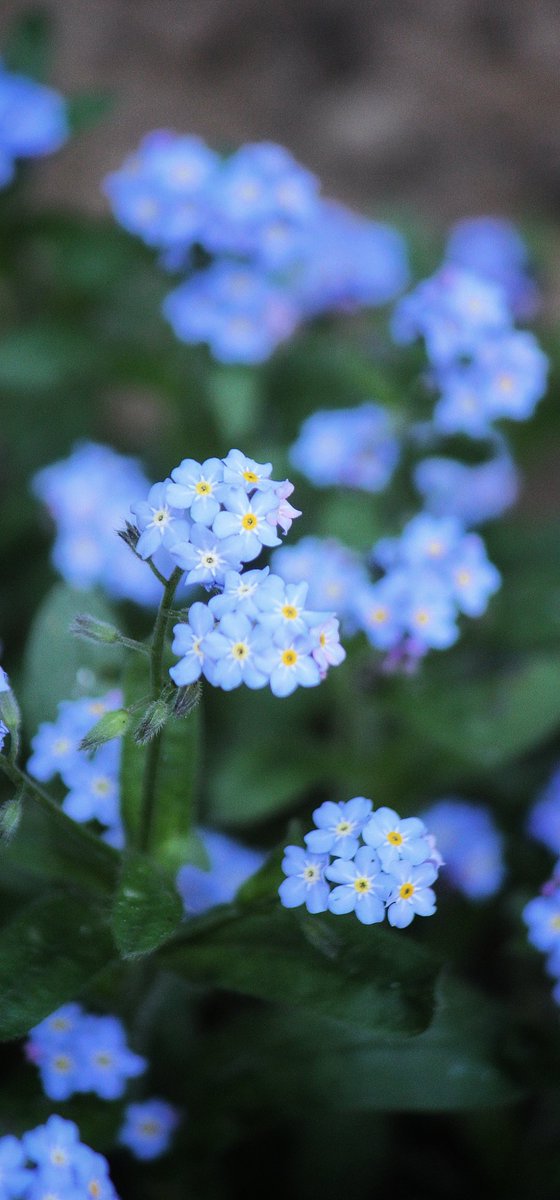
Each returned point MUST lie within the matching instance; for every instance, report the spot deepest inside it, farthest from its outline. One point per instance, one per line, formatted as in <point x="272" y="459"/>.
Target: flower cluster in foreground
<point x="51" y="1163"/>
<point x="379" y="863"/>
<point x="276" y="252"/>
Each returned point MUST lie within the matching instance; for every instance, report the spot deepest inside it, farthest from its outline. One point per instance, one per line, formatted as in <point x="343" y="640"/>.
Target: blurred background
<point x="447" y="107"/>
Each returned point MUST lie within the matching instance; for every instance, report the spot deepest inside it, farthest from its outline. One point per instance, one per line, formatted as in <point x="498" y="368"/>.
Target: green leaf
<point x="324" y="965"/>
<point x="48" y="955"/>
<point x="272" y="1061"/>
<point x="56" y="665"/>
<point x="492" y="721"/>
<point x="147" y="908"/>
<point x="254" y="782"/>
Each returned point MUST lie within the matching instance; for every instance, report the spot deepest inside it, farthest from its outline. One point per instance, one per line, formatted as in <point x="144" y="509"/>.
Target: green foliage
<point x="147" y="908"/>
<point x="363" y="977"/>
<point x="49" y="954"/>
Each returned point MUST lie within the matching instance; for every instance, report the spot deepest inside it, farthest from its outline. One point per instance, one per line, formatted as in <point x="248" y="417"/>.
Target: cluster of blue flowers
<point x="353" y="448"/>
<point x="379" y="863"/>
<point x="472" y="494"/>
<point x="435" y="571"/>
<point x="92" y="780"/>
<point x="471" y="846"/>
<point x="77" y="1051"/>
<point x="210" y="519"/>
<point x="88" y="496"/>
<point x="482" y="367"/>
<point x="33" y="121"/>
<point x="51" y="1163"/>
<point x="276" y="252"/>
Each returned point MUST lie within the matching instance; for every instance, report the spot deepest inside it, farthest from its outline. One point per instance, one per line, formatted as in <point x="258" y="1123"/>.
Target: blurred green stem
<point x="157" y="683"/>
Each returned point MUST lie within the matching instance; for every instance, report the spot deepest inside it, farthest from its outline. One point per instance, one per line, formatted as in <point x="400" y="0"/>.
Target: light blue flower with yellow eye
<point x="474" y="577"/>
<point x="240" y="471"/>
<point x="189" y="642"/>
<point x="239" y="593"/>
<point x="159" y="524"/>
<point x="243" y="519"/>
<point x="206" y="557"/>
<point x="430" y="614"/>
<point x="395" y="839"/>
<point x="411" y="894"/>
<point x="91" y="1173"/>
<point x="148" y="1128"/>
<point x="338" y="827"/>
<point x="305" y="883"/>
<point x="542" y="918"/>
<point x="287" y="660"/>
<point x="196" y="486"/>
<point x="282" y="605"/>
<point x="362" y="886"/>
<point x="231" y="647"/>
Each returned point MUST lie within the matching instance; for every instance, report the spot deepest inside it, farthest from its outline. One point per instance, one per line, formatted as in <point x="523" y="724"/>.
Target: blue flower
<point x="196" y="486"/>
<point x="327" y="649"/>
<point x="473" y="494"/>
<point x="14" y="1176"/>
<point x="470" y="844"/>
<point x="240" y="593"/>
<point x="189" y="641"/>
<point x="287" y="660"/>
<point x="231" y="864"/>
<point x="493" y="247"/>
<point x="395" y="839"/>
<point x="429" y="615"/>
<point x="474" y="578"/>
<point x="338" y="827"/>
<point x="452" y="311"/>
<point x="107" y="1061"/>
<point x="243" y="472"/>
<point x="348" y="262"/>
<point x="542" y="917"/>
<point x="305" y="882"/>
<point x="159" y="524"/>
<point x="79" y="1052"/>
<point x="243" y="520"/>
<point x="93" y="784"/>
<point x="544" y="818"/>
<point x="33" y="121"/>
<point x="231" y="646"/>
<point x="354" y="448"/>
<point x="282" y="605"/>
<point x="148" y="1128"/>
<point x="334" y="574"/>
<point x="380" y="612"/>
<point x="363" y="886"/>
<point x="411" y="894"/>
<point x="55" y="1148"/>
<point x="206" y="556"/>
<point x="92" y="1176"/>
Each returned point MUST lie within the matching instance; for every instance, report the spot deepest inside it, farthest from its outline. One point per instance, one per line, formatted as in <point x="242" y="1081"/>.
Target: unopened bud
<point x="155" y="717"/>
<point x="112" y="725"/>
<point x="9" y="711"/>
<point x="93" y="630"/>
<point x="10" y="816"/>
<point x="130" y="535"/>
<point x="186" y="699"/>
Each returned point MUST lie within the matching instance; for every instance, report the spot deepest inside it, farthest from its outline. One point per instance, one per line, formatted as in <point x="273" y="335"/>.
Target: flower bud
<point x="187" y="698"/>
<point x="93" y="630"/>
<point x="10" y="816"/>
<point x="155" y="717"/>
<point x="112" y="725"/>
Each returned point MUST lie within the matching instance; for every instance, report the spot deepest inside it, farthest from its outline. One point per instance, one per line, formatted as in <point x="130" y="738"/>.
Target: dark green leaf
<point x="254" y="782"/>
<point x="147" y="908"/>
<point x="325" y="965"/>
<point x="48" y="955"/>
<point x="56" y="665"/>
<point x="272" y="1061"/>
<point x="492" y="721"/>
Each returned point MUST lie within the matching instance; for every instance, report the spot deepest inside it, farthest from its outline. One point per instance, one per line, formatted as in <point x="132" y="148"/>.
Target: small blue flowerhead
<point x="363" y="886"/>
<point x="305" y="882"/>
<point x="148" y="1128"/>
<point x="338" y="827"/>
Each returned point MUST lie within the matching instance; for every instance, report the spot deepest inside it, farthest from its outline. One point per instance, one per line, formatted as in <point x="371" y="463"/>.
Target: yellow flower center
<point x="290" y="612"/>
<point x="240" y="650"/>
<point x="505" y="383"/>
<point x="395" y="838"/>
<point x="97" y="708"/>
<point x="322" y="639"/>
<point x="311" y="873"/>
<point x="362" y="885"/>
<point x="61" y="746"/>
<point x="62" y="1063"/>
<point x="60" y="1023"/>
<point x="289" y="658"/>
<point x="250" y="477"/>
<point x="203" y="487"/>
<point x="344" y="827"/>
<point x="249" y="521"/>
<point x="209" y="560"/>
<point x="150" y="1128"/>
<point x="161" y="517"/>
<point x="555" y="923"/>
<point x="104" y="1059"/>
<point x="94" y="1188"/>
<point x="463" y="578"/>
<point x="422" y="617"/>
<point x="378" y="615"/>
<point x="435" y="549"/>
<point x="406" y="890"/>
<point x="58" y="1156"/>
<point x="102" y="786"/>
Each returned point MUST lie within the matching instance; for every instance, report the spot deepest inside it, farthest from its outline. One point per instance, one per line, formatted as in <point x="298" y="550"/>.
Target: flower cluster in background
<point x="273" y="251"/>
<point x="88" y="497"/>
<point x="482" y="368"/>
<point x="92" y="780"/>
<point x="51" y="1163"/>
<point x="472" y="494"/>
<point x="33" y="121"/>
<point x="381" y="865"/>
<point x="353" y="448"/>
<point x="542" y="914"/>
<point x="148" y="1128"/>
<point x="211" y="519"/>
<point x="470" y="844"/>
<point x="77" y="1051"/>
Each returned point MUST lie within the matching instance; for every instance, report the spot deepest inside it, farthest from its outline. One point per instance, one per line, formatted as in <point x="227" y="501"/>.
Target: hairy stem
<point x="157" y="682"/>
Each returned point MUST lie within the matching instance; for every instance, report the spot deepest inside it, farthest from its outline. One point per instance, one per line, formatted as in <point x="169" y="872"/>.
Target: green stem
<point x="157" y="682"/>
<point x="89" y="849"/>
